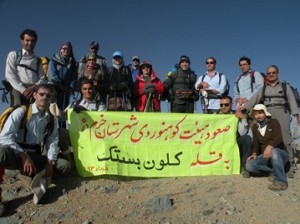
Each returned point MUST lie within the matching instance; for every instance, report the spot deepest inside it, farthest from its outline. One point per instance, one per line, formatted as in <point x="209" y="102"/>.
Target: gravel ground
<point x="112" y="199"/>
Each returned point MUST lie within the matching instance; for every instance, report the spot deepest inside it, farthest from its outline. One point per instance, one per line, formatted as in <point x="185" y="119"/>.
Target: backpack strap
<point x="19" y="54"/>
<point x="252" y="77"/>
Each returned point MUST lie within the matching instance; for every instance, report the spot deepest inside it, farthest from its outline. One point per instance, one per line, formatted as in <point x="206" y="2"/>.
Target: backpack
<point x="284" y="84"/>
<point x="252" y="77"/>
<point x="226" y="92"/>
<point x="19" y="58"/>
<point x="28" y="111"/>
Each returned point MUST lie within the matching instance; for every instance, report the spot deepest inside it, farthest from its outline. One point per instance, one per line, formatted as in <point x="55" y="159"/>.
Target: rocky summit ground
<point x="112" y="199"/>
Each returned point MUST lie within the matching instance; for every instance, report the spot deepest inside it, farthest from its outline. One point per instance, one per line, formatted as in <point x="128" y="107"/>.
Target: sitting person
<point x="244" y="140"/>
<point x="21" y="140"/>
<point x="269" y="154"/>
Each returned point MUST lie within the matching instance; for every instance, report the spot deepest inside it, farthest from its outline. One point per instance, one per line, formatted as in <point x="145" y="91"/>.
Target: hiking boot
<point x="2" y="206"/>
<point x="290" y="174"/>
<point x="245" y="173"/>
<point x="271" y="177"/>
<point x="26" y="180"/>
<point x="276" y="186"/>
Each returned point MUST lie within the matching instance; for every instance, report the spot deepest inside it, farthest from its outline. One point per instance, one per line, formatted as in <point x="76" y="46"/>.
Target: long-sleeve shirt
<point x="272" y="136"/>
<point x="21" y="77"/>
<point x="244" y="85"/>
<point x="12" y="133"/>
<point x="270" y="100"/>
<point x="214" y="83"/>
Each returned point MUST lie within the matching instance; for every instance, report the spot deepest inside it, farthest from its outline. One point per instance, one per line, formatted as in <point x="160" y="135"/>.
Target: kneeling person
<point x="20" y="142"/>
<point x="269" y="154"/>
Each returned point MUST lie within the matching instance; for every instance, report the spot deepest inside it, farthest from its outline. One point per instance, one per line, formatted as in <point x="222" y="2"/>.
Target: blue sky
<point x="159" y="31"/>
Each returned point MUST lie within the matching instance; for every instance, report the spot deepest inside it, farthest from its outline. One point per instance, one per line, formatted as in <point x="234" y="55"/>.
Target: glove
<point x="149" y="85"/>
<point x="79" y="108"/>
<point x="113" y="87"/>
<point x="150" y="89"/>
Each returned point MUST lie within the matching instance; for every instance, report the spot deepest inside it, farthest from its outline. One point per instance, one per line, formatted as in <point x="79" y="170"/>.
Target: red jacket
<point x="141" y="98"/>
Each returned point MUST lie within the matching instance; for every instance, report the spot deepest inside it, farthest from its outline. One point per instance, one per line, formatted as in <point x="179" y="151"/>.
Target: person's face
<point x="91" y="62"/>
<point x="225" y="106"/>
<point x="272" y="75"/>
<point x="87" y="91"/>
<point x="42" y="98"/>
<point x="94" y="49"/>
<point x="259" y="115"/>
<point x="146" y="70"/>
<point x="135" y="62"/>
<point x="118" y="60"/>
<point x="210" y="64"/>
<point x="244" y="66"/>
<point x="65" y="50"/>
<point x="184" y="65"/>
<point x="28" y="43"/>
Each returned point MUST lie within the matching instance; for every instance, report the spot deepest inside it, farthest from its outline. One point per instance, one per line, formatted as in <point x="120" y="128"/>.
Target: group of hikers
<point x="38" y="140"/>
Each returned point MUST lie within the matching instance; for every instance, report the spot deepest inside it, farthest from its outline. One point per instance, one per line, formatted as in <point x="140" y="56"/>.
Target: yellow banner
<point x="154" y="144"/>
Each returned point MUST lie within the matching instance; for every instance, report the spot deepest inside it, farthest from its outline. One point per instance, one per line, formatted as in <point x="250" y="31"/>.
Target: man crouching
<point x="23" y="136"/>
<point x="269" y="154"/>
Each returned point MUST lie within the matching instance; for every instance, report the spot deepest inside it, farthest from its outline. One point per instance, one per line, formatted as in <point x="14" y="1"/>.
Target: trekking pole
<point x="148" y="101"/>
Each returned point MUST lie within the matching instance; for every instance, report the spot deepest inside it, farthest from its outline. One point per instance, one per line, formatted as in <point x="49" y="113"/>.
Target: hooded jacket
<point x="141" y="98"/>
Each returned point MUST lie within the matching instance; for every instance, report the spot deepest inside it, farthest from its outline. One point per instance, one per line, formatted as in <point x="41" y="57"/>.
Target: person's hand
<point x="205" y="85"/>
<point x="79" y="108"/>
<point x="148" y="88"/>
<point x="253" y="156"/>
<point x="28" y="165"/>
<point x="268" y="152"/>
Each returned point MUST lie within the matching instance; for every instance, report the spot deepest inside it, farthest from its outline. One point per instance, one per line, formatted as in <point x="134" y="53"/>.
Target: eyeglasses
<point x="45" y="94"/>
<point x="91" y="59"/>
<point x="271" y="73"/>
<point x="210" y="63"/>
<point x="224" y="104"/>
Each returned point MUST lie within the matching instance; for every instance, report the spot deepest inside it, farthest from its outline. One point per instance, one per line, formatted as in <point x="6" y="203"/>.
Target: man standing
<point x="211" y="86"/>
<point x="247" y="83"/>
<point x="244" y="139"/>
<point x="135" y="67"/>
<point x="181" y="83"/>
<point x="280" y="101"/>
<point x="21" y="142"/>
<point x="23" y="69"/>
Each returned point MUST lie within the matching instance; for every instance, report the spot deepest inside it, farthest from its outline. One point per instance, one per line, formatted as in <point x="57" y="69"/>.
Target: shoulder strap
<point x="203" y="76"/>
<point x="19" y="57"/>
<point x="25" y="119"/>
<point x="284" y="90"/>
<point x="220" y="77"/>
<point x="252" y="77"/>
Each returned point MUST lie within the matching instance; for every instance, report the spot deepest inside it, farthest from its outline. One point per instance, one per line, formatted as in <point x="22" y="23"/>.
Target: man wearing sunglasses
<point x="21" y="142"/>
<point x="211" y="86"/>
<point x="244" y="134"/>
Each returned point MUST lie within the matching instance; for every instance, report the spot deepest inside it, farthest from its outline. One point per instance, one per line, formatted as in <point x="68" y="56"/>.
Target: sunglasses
<point x="224" y="104"/>
<point x="91" y="59"/>
<point x="65" y="48"/>
<point x="45" y="94"/>
<point x="210" y="63"/>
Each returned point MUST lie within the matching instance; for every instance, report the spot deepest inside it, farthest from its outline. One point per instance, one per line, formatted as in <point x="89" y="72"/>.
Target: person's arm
<point x="11" y="128"/>
<point x="11" y="72"/>
<point x="52" y="142"/>
<point x="259" y="82"/>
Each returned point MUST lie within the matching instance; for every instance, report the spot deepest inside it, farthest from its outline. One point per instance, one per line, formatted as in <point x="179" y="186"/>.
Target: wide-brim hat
<point x="39" y="186"/>
<point x="259" y="107"/>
